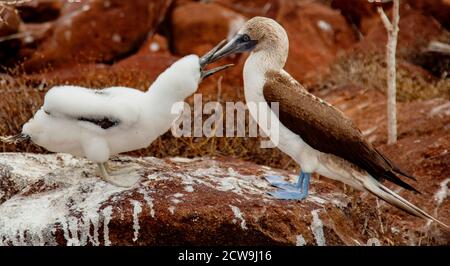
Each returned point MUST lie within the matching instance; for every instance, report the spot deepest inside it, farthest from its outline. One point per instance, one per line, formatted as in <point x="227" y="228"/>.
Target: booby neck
<point x="258" y="64"/>
<point x="177" y="82"/>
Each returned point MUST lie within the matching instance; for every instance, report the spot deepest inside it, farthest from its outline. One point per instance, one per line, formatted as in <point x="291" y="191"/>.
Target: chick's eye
<point x="246" y="38"/>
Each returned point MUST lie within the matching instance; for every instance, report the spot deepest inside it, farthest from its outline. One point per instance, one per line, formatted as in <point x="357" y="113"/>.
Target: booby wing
<point x="325" y="128"/>
<point x="101" y="108"/>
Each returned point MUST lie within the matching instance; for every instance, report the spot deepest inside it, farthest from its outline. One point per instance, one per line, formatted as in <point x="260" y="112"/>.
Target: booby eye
<point x="246" y="38"/>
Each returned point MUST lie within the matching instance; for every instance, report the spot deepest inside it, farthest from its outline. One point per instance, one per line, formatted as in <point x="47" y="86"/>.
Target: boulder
<point x="9" y="26"/>
<point x="137" y="71"/>
<point x="197" y="27"/>
<point x="356" y="11"/>
<point x="412" y="24"/>
<point x="266" y="8"/>
<point x="84" y="32"/>
<point x="57" y="199"/>
<point x="38" y="11"/>
<point x="360" y="12"/>
<point x="316" y="35"/>
<point x="316" y="32"/>
<point x="420" y="74"/>
<point x="440" y="9"/>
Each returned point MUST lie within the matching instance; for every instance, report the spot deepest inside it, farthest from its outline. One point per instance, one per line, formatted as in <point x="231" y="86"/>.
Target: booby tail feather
<point x="376" y="188"/>
<point x="14" y="139"/>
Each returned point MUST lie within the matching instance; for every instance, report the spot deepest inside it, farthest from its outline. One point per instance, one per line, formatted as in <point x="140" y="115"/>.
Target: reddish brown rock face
<point x="198" y="27"/>
<point x="176" y="201"/>
<point x="316" y="35"/>
<point x="38" y="11"/>
<point x="97" y="31"/>
<point x="266" y="8"/>
<point x="9" y="26"/>
<point x="440" y="9"/>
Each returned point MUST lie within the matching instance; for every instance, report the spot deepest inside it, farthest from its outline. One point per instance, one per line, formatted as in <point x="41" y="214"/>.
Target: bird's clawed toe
<point x="115" y="179"/>
<point x="278" y="181"/>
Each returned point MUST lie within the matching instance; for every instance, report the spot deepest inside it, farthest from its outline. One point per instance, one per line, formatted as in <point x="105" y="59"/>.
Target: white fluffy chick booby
<point x="97" y="124"/>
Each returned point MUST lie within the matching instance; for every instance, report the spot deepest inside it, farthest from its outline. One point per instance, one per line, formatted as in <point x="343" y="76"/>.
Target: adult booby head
<point x="259" y="34"/>
<point x="316" y="135"/>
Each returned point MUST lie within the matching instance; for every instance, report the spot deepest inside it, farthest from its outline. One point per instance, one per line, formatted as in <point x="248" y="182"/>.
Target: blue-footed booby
<point x="97" y="124"/>
<point x="319" y="137"/>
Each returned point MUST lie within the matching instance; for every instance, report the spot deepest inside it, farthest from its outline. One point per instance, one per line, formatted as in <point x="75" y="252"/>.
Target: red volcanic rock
<point x="9" y="25"/>
<point x="9" y="21"/>
<point x="137" y="71"/>
<point x="197" y="27"/>
<point x="59" y="200"/>
<point x="316" y="32"/>
<point x="440" y="9"/>
<point x="316" y="35"/>
<point x="97" y="31"/>
<point x="357" y="11"/>
<point x="37" y="11"/>
<point x="266" y="8"/>
<point x="140" y="70"/>
<point x="155" y="44"/>
<point x="416" y="32"/>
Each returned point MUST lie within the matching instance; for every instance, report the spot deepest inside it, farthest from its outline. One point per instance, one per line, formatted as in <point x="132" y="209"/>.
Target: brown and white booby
<point x="315" y="134"/>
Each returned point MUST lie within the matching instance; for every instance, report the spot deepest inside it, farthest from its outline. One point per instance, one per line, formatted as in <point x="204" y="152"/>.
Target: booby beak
<point x="206" y="59"/>
<point x="239" y="44"/>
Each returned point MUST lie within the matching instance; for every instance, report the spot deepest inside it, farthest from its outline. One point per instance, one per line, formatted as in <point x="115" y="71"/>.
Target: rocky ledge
<point x="57" y="199"/>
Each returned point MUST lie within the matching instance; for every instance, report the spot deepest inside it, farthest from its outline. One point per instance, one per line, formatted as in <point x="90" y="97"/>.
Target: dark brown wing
<point x="325" y="128"/>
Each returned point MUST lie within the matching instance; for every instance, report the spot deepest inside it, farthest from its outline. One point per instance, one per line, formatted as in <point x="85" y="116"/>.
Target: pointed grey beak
<point x="207" y="73"/>
<point x="239" y="44"/>
<point x="206" y="59"/>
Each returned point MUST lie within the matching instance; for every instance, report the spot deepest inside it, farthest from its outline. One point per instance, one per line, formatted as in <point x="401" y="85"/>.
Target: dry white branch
<point x="392" y="30"/>
<point x="13" y="2"/>
<point x="439" y="47"/>
<point x="386" y="22"/>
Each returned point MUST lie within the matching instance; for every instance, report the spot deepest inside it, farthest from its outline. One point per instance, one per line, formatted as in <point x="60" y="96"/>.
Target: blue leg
<point x="278" y="181"/>
<point x="299" y="194"/>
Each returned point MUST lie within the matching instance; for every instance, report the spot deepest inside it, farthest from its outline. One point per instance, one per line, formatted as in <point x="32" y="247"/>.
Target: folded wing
<point x="325" y="128"/>
<point x="104" y="109"/>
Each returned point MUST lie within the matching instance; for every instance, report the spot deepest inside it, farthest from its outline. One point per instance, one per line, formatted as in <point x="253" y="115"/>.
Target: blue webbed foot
<point x="278" y="181"/>
<point x="288" y="190"/>
<point x="288" y="195"/>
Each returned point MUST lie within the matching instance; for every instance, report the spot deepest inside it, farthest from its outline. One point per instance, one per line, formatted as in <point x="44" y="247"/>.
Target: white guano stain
<point x="239" y="216"/>
<point x="300" y="241"/>
<point x="189" y="189"/>
<point x="154" y="47"/>
<point x="148" y="200"/>
<point x="77" y="202"/>
<point x="325" y="26"/>
<point x="373" y="242"/>
<point x="107" y="212"/>
<point x="136" y="211"/>
<point x="442" y="193"/>
<point x="317" y="228"/>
